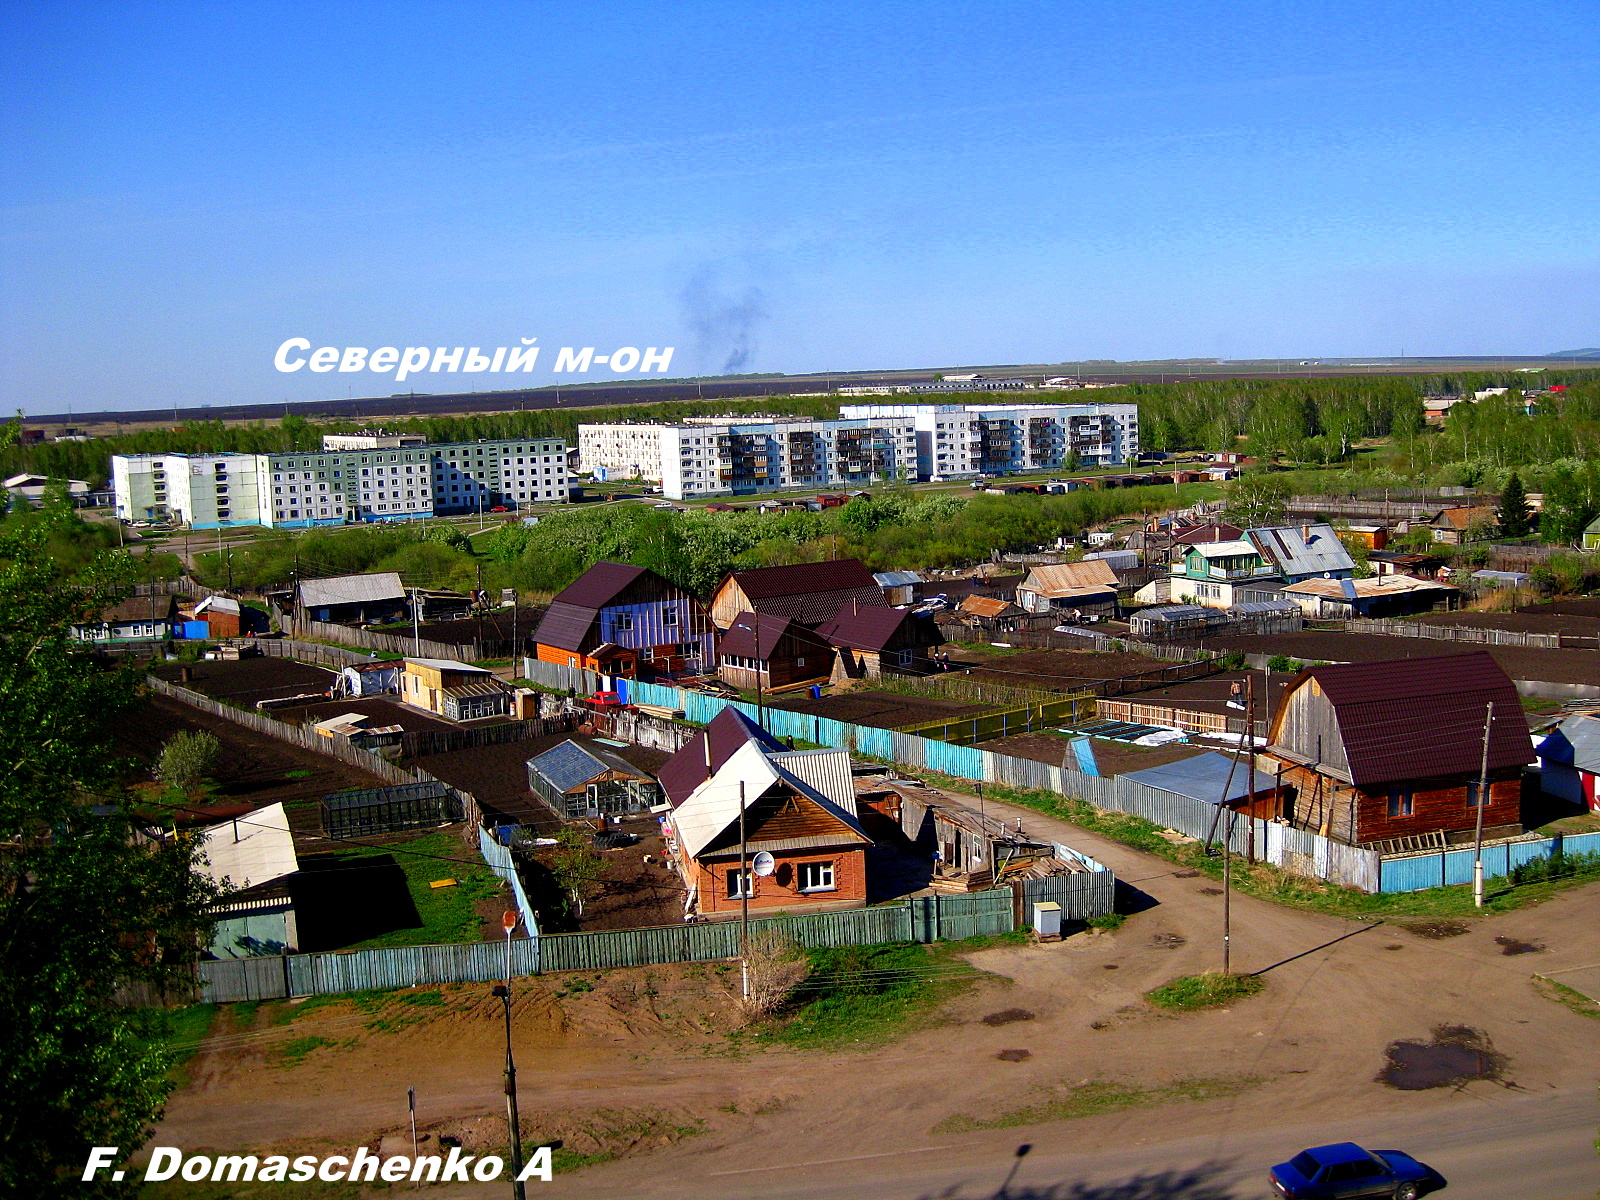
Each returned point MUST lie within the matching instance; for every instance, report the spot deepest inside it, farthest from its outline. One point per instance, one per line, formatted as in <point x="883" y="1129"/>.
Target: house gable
<point x="1307" y="727"/>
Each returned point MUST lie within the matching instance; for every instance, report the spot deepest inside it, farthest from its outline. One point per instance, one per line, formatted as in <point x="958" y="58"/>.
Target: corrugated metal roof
<point x="890" y="579"/>
<point x="448" y="664"/>
<point x="1070" y="578"/>
<point x="753" y="635"/>
<point x="713" y="807"/>
<point x="865" y="628"/>
<point x="217" y="604"/>
<point x="729" y="730"/>
<point x="988" y="606"/>
<point x="599" y="585"/>
<point x="566" y="626"/>
<point x="800" y="579"/>
<point x="247" y="852"/>
<point x="1204" y="777"/>
<point x="826" y="770"/>
<point x="572" y="765"/>
<point x="351" y="589"/>
<point x="1576" y="742"/>
<point x="1419" y="718"/>
<point x="1315" y="551"/>
<point x="1234" y="549"/>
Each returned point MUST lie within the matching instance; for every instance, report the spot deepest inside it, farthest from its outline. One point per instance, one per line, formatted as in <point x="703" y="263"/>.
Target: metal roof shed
<point x="577" y="781"/>
<point x="1206" y="777"/>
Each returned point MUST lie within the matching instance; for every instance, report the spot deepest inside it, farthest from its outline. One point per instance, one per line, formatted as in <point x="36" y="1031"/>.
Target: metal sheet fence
<point x="503" y="864"/>
<point x="562" y="678"/>
<point x="1413" y="872"/>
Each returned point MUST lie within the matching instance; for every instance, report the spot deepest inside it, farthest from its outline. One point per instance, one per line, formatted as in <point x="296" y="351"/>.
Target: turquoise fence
<point x="1417" y="871"/>
<point x="504" y="865"/>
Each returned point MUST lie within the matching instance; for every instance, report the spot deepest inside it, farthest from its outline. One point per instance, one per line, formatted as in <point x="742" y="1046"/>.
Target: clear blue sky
<point x="854" y="185"/>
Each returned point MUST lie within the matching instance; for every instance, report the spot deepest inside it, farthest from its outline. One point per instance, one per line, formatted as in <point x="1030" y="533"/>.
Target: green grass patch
<point x="1211" y="989"/>
<point x="1091" y="1099"/>
<point x="447" y="914"/>
<point x="1110" y="921"/>
<point x="613" y="1133"/>
<point x="294" y="1052"/>
<point x="1573" y="999"/>
<point x="182" y="1030"/>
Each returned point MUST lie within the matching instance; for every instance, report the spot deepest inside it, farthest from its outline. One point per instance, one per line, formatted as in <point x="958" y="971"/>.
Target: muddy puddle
<point x="1007" y="1015"/>
<point x="1434" y="930"/>
<point x="1511" y="945"/>
<point x="1455" y="1055"/>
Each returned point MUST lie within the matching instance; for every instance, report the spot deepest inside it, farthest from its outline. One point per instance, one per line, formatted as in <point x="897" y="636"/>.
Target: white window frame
<point x="821" y="872"/>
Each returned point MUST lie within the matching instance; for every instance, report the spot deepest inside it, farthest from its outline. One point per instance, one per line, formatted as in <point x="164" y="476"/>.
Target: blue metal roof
<point x="1202" y="778"/>
<point x="571" y="765"/>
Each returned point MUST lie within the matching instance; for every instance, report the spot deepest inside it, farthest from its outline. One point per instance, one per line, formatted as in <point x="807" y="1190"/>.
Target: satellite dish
<point x="764" y="864"/>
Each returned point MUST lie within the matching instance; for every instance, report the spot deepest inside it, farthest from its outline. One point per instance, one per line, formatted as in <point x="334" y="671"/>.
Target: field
<point x="252" y="768"/>
<point x="1049" y="670"/>
<point x="494" y="626"/>
<point x="1570" y="618"/>
<point x="882" y="710"/>
<point x="1550" y="666"/>
<point x="244" y="682"/>
<point x="387" y="710"/>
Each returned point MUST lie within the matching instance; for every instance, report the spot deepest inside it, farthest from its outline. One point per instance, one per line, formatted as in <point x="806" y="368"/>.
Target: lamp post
<point x="503" y="991"/>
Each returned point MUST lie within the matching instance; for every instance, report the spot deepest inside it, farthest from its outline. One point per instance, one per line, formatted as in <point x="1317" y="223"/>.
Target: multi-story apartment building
<point x="708" y="458"/>
<point x="956" y="440"/>
<point x="389" y="478"/>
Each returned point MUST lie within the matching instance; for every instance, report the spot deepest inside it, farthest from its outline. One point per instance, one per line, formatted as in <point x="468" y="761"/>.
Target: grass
<point x="1570" y="997"/>
<point x="1096" y="1097"/>
<point x="448" y="914"/>
<point x="1111" y="921"/>
<point x="182" y="1030"/>
<point x="615" y="1132"/>
<point x="294" y="1052"/>
<point x="1211" y="989"/>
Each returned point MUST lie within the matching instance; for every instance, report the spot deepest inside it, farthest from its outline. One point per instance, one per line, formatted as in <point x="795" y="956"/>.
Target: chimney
<point x="1305" y="533"/>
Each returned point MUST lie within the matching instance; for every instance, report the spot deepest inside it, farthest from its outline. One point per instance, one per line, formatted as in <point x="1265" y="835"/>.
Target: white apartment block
<point x="390" y="479"/>
<point x="963" y="440"/>
<point x="709" y="458"/>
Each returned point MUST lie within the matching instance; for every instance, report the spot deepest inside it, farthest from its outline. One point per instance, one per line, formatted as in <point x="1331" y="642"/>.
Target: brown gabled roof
<point x="863" y="628"/>
<point x="988" y="606"/>
<point x="1420" y="718"/>
<point x="571" y="615"/>
<point x="1071" y="579"/>
<point x="1217" y="532"/>
<point x="799" y="579"/>
<point x="753" y="635"/>
<point x="141" y="608"/>
<point x="729" y="730"/>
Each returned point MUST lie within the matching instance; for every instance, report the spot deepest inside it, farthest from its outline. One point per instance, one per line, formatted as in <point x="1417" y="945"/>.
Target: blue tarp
<point x="1202" y="778"/>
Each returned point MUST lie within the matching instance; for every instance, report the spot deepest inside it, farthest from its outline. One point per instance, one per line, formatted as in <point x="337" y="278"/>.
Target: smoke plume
<point x="723" y="322"/>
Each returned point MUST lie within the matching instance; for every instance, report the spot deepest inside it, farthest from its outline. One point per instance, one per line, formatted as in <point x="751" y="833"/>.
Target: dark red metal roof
<point x="571" y="616"/>
<point x="1421" y="718"/>
<point x="864" y="628"/>
<point x="800" y="579"/>
<point x="729" y="730"/>
<point x="753" y="635"/>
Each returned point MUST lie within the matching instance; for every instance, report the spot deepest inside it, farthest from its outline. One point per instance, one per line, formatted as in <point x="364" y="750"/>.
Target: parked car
<point x="499" y="508"/>
<point x="1345" y="1169"/>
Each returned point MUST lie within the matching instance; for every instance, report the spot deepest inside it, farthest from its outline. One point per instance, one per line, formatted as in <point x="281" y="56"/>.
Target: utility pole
<point x="1483" y="803"/>
<point x="416" y="624"/>
<point x="503" y="991"/>
<point x="1227" y="833"/>
<point x="744" y="899"/>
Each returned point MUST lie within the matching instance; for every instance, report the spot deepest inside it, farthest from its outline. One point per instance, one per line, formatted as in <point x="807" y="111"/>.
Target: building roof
<point x="478" y="687"/>
<point x="571" y="615"/>
<point x="863" y="628"/>
<point x="826" y="770"/>
<point x="713" y="807"/>
<point x="253" y="849"/>
<point x="988" y="606"/>
<point x="1418" y="718"/>
<point x="140" y="608"/>
<point x="1233" y="549"/>
<point x="809" y="592"/>
<point x="447" y="664"/>
<point x="1575" y="742"/>
<point x="889" y="579"/>
<point x="351" y="589"/>
<point x="753" y="635"/>
<point x="1366" y="589"/>
<point x="218" y="604"/>
<point x="1463" y="516"/>
<point x="1070" y="579"/>
<point x="1204" y="778"/>
<point x="728" y="731"/>
<point x="1300" y="550"/>
<point x="572" y="765"/>
<point x="1215" y="532"/>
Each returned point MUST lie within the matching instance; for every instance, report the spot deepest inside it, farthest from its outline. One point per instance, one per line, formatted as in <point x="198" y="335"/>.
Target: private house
<point x="1377" y="596"/>
<point x="1214" y="573"/>
<point x="1418" y="566"/>
<point x="990" y="614"/>
<point x="1569" y="760"/>
<point x="628" y="621"/>
<point x="808" y="593"/>
<point x="817" y="847"/>
<point x="374" y="599"/>
<point x="1389" y="752"/>
<point x="1299" y="552"/>
<point x="766" y="653"/>
<point x="900" y="587"/>
<point x="1590" y="538"/>
<point x="578" y="782"/>
<point x="871" y="641"/>
<point x="1373" y="537"/>
<point x="136" y="619"/>
<point x="456" y="691"/>
<point x="32" y="489"/>
<point x="1455" y="526"/>
<point x="706" y="751"/>
<point x="1087" y="588"/>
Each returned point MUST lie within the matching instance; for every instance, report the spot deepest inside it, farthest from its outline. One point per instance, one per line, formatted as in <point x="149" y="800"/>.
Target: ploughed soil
<point x="1113" y="758"/>
<point x="883" y="710"/>
<point x="1578" y="619"/>
<point x="1550" y="666"/>
<point x="497" y="776"/>
<point x="632" y="892"/>
<point x="252" y="768"/>
<point x="244" y="682"/>
<point x="1211" y="693"/>
<point x="385" y="710"/>
<point x="496" y="625"/>
<point x="1052" y="670"/>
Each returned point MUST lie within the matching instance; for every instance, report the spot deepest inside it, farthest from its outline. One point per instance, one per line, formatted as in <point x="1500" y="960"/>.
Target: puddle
<point x="1110" y="966"/>
<point x="1457" y="1055"/>
<point x="1211" y="891"/>
<point x="1007" y="1015"/>
<point x="1394" y="946"/>
<point x="1184" y="874"/>
<point x="1014" y="1055"/>
<point x="1435" y="930"/>
<point x="1511" y="945"/>
<point x="1099" y="1024"/>
<point x="1168" y="941"/>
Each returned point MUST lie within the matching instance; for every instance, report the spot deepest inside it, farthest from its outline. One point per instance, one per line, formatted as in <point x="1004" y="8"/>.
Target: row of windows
<point x="809" y="877"/>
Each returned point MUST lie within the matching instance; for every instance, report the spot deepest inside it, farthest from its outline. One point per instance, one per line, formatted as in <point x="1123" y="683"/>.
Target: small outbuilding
<point x="761" y="652"/>
<point x="576" y="782"/>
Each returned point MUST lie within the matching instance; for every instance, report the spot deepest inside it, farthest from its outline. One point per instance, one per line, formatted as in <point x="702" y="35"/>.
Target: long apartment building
<point x="707" y="457"/>
<point x="352" y="478"/>
<point x="962" y="440"/>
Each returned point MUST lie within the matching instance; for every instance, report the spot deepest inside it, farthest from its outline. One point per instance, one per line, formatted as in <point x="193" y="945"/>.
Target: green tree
<point x="186" y="757"/>
<point x="1256" y="499"/>
<point x="86" y="906"/>
<point x="576" y="867"/>
<point x="1513" y="516"/>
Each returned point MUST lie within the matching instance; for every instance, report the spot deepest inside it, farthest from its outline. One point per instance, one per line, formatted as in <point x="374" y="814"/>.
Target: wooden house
<point x="624" y="620"/>
<point x="871" y="641"/>
<point x="576" y="781"/>
<point x="352" y="599"/>
<point x="1088" y="588"/>
<point x="705" y="752"/>
<point x="816" y="842"/>
<point x="767" y="653"/>
<point x="1390" y="752"/>
<point x="454" y="690"/>
<point x="1374" y="597"/>
<point x="808" y="593"/>
<point x="1455" y="526"/>
<point x="136" y="619"/>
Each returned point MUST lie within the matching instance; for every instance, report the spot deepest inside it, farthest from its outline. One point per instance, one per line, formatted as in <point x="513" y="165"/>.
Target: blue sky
<point x="838" y="187"/>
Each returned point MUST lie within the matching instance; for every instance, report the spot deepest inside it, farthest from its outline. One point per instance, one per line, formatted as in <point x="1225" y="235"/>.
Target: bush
<point x="1283" y="664"/>
<point x="186" y="758"/>
<point x="774" y="967"/>
<point x="1207" y="990"/>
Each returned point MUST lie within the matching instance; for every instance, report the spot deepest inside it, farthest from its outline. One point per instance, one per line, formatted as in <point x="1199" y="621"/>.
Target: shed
<point x="221" y="615"/>
<point x="1089" y="587"/>
<point x="577" y="781"/>
<point x="1117" y="560"/>
<point x="352" y="599"/>
<point x="1503" y="578"/>
<point x="1569" y="760"/>
<point x="1211" y="778"/>
<point x="900" y="587"/>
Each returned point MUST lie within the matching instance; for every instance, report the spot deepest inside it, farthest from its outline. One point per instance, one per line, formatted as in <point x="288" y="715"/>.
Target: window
<point x="816" y="877"/>
<point x="624" y="622"/>
<point x="1400" y="802"/>
<point x="735" y="879"/>
<point x="669" y="617"/>
<point x="1473" y="789"/>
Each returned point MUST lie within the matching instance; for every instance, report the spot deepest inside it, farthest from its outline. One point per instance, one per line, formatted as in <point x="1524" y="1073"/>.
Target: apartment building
<point x="962" y="440"/>
<point x="389" y="478"/>
<point x="707" y="458"/>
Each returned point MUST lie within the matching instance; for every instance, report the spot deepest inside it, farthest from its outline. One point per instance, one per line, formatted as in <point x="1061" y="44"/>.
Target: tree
<point x="1513" y="516"/>
<point x="1255" y="500"/>
<point x="576" y="867"/>
<point x="186" y="757"/>
<point x="87" y="907"/>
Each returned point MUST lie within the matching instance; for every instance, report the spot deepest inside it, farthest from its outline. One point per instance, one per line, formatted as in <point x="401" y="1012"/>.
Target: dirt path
<point x="1305" y="1053"/>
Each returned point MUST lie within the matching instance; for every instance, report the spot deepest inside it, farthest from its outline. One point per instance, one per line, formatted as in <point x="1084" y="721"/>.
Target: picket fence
<point x="1459" y="633"/>
<point x="285" y="976"/>
<point x="401" y="643"/>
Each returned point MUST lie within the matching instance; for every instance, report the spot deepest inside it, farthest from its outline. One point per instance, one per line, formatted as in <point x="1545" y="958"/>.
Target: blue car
<point x="1345" y="1169"/>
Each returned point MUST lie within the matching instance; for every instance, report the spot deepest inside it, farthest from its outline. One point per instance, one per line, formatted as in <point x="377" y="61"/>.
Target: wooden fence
<point x="1090" y="639"/>
<point x="323" y="656"/>
<point x="1192" y="720"/>
<point x="1460" y="633"/>
<point x="969" y="731"/>
<point x="397" y="643"/>
<point x="422" y="742"/>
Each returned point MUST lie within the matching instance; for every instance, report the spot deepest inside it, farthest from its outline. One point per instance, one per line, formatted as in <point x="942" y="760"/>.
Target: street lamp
<point x="509" y="922"/>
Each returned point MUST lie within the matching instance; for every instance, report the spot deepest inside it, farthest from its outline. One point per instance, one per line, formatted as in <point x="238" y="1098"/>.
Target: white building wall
<point x="1021" y="437"/>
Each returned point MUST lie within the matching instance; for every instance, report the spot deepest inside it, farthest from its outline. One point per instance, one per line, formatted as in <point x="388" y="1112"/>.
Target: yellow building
<point x="457" y="691"/>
